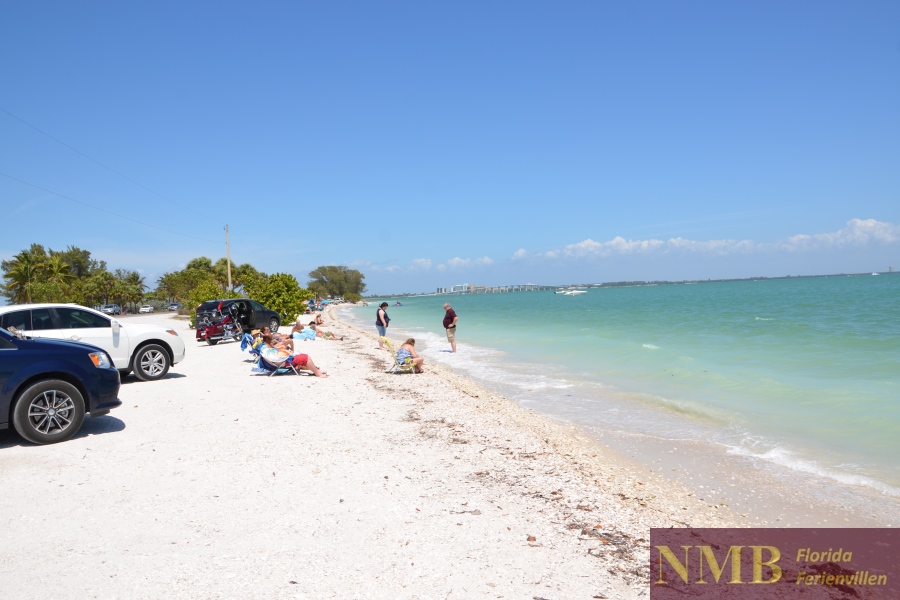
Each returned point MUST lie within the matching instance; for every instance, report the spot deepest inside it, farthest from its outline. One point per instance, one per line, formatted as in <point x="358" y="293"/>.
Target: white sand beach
<point x="217" y="482"/>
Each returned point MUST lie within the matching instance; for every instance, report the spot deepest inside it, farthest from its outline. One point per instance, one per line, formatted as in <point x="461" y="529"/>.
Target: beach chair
<point x="252" y="345"/>
<point x="246" y="341"/>
<point x="406" y="366"/>
<point x="274" y="363"/>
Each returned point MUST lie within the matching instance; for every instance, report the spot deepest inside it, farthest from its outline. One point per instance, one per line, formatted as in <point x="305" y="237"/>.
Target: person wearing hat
<point x="450" y="320"/>
<point x="381" y="323"/>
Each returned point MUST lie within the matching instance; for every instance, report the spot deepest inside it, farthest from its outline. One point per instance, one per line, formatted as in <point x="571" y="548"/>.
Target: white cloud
<point x="421" y="263"/>
<point x="364" y="264"/>
<point x="858" y="232"/>
<point x="392" y="268"/>
<point x="520" y="253"/>
<point x="457" y="262"/>
<point x="617" y="245"/>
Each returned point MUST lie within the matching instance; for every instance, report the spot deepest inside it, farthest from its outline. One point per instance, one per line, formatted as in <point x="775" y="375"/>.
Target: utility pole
<point x="228" y="258"/>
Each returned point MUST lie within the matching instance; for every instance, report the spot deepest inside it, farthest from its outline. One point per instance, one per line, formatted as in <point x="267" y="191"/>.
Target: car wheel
<point x="49" y="411"/>
<point x="273" y="324"/>
<point x="151" y="363"/>
<point x="212" y="342"/>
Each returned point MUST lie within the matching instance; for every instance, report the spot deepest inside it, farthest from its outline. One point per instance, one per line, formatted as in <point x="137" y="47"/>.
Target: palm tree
<point x="58" y="270"/>
<point x="136" y="279"/>
<point x="22" y="274"/>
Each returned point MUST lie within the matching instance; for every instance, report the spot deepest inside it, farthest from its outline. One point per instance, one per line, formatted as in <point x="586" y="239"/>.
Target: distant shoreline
<point x="636" y="283"/>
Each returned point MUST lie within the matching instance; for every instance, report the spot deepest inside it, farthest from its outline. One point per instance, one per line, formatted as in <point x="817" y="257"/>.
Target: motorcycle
<point x="225" y="327"/>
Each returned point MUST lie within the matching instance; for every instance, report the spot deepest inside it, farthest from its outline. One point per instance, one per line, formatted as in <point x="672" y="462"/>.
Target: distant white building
<point x="460" y="289"/>
<point x="442" y="290"/>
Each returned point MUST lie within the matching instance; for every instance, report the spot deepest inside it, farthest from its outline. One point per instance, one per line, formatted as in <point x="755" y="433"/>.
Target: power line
<point x="99" y="163"/>
<point x="104" y="210"/>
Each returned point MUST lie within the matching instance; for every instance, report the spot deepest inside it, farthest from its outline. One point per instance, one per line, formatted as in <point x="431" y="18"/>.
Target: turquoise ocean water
<point x="803" y="373"/>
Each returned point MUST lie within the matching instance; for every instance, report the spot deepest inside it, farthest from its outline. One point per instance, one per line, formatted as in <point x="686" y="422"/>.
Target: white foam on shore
<point x="785" y="458"/>
<point x="685" y="421"/>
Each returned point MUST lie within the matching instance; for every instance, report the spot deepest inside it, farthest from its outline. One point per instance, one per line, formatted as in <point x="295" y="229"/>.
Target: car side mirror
<point x="115" y="325"/>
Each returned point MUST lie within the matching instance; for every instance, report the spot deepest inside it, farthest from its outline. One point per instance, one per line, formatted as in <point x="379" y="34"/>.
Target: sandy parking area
<point x="219" y="483"/>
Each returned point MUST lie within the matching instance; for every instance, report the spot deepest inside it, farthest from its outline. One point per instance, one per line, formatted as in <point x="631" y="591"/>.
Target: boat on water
<point x="570" y="291"/>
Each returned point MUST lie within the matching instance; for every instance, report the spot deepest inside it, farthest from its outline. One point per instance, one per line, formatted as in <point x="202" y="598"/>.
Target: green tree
<point x="98" y="287"/>
<point x="281" y="292"/>
<point x="80" y="261"/>
<point x="54" y="291"/>
<point x="334" y="280"/>
<point x="178" y="285"/>
<point x="57" y="270"/>
<point x="21" y="273"/>
<point x="201" y="264"/>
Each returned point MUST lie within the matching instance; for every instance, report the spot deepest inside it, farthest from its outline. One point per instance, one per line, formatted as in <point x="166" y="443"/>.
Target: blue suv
<point x="47" y="386"/>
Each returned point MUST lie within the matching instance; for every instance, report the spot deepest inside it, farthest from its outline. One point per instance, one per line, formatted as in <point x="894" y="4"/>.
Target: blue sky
<point x="431" y="144"/>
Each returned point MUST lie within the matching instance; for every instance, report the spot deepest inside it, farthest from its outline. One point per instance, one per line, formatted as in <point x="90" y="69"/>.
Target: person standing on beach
<point x="381" y="323"/>
<point x="450" y="320"/>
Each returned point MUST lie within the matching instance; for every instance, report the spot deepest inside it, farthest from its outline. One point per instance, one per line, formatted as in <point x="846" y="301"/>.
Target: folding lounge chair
<point x="274" y="363"/>
<point x="406" y="366"/>
<point x="251" y="345"/>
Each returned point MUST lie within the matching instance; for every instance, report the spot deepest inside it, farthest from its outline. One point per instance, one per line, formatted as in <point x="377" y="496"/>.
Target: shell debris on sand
<point x="265" y="481"/>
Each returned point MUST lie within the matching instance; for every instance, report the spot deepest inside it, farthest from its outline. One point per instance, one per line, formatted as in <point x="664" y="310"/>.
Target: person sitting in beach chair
<point x="407" y="354"/>
<point x="279" y="340"/>
<point x="405" y="365"/>
<point x="251" y="344"/>
<point x="275" y="358"/>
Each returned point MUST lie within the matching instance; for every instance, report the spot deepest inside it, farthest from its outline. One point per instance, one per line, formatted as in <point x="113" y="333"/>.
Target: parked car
<point x="146" y="309"/>
<point x="111" y="309"/>
<point x="147" y="350"/>
<point x="47" y="386"/>
<point x="252" y="314"/>
<point x="174" y="306"/>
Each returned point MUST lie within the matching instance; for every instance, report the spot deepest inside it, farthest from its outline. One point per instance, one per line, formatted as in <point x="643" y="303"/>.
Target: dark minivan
<point x="47" y="386"/>
<point x="253" y="315"/>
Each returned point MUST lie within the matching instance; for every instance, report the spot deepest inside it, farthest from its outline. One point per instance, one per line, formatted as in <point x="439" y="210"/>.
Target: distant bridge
<point x="500" y="289"/>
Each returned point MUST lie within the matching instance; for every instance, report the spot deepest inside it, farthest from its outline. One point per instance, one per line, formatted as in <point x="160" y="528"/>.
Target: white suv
<point x="148" y="350"/>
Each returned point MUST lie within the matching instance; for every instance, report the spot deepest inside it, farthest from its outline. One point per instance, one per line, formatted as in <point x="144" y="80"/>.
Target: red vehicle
<point x="227" y="326"/>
